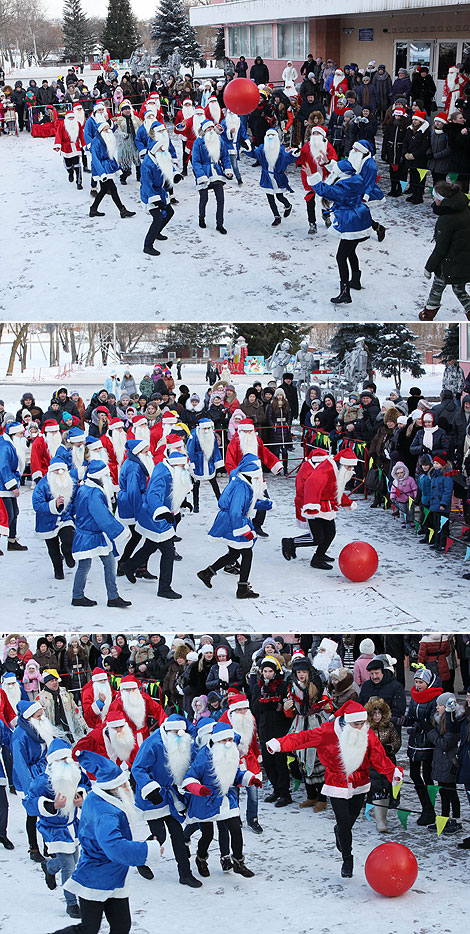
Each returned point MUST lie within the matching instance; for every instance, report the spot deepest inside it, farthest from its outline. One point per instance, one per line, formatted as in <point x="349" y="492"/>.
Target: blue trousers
<point x="65" y="862"/>
<point x="83" y="570"/>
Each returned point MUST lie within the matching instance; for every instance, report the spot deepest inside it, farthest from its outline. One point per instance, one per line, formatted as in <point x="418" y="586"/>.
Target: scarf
<point x="423" y="697"/>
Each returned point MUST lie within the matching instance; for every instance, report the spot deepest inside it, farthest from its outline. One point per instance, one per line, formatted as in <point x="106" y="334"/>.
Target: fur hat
<point x="181" y="651"/>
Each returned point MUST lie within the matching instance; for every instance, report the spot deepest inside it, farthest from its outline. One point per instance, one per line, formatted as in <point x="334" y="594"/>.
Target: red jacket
<point x="112" y="460"/>
<point x="308" y="166"/>
<point x="252" y="759"/>
<point x="95" y="741"/>
<point x="187" y="133"/>
<point x="321" y="493"/>
<point x="234" y="455"/>
<point x="40" y="458"/>
<point x="305" y="470"/>
<point x="91" y="711"/>
<point x="64" y="144"/>
<point x="152" y="709"/>
<point x="3" y="519"/>
<point x="7" y="714"/>
<point x="325" y="740"/>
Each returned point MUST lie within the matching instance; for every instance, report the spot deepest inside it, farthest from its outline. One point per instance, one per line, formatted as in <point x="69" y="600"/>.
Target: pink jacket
<point x="360" y="669"/>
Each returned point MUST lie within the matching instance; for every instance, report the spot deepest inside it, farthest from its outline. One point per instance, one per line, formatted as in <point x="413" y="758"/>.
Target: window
<point x="261" y="40"/>
<point x="291" y="41"/>
<point x="239" y="40"/>
<point x="447" y="57"/>
<point x="401" y="56"/>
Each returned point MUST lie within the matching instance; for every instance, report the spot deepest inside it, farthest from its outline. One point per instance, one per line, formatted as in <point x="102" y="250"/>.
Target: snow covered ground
<point x="297" y="883"/>
<point x="60" y="264"/>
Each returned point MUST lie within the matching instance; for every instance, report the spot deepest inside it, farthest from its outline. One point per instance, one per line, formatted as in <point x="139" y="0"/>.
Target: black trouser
<point x="167" y="548"/>
<point x="12" y="508"/>
<point x="84" y="160"/>
<point x="60" y="546"/>
<point x="449" y="797"/>
<point x="272" y="202"/>
<point x="108" y="188"/>
<point x="396" y="176"/>
<point x="3" y="811"/>
<point x="258" y="518"/>
<point x="346" y="811"/>
<point x="345" y="253"/>
<point x="324" y="531"/>
<point x="313" y="790"/>
<point x="8" y="763"/>
<point x="115" y="910"/>
<point x="160" y="218"/>
<point x="186" y="158"/>
<point x="224" y="837"/>
<point x="276" y="769"/>
<point x="197" y="484"/>
<point x="440" y="535"/>
<point x="130" y="545"/>
<point x="72" y="164"/>
<point x="311" y="211"/>
<point x="126" y="172"/>
<point x="234" y="827"/>
<point x="157" y="828"/>
<point x="283" y="451"/>
<point x="31" y="832"/>
<point x="20" y="111"/>
<point x="421" y="776"/>
<point x="416" y="184"/>
<point x="231" y="557"/>
<point x="218" y="189"/>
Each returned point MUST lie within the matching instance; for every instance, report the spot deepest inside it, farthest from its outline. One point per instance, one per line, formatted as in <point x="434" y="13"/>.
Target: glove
<point x="153" y="852"/>
<point x="154" y="797"/>
<point x="177" y="177"/>
<point x="451" y="705"/>
<point x="228" y="174"/>
<point x="273" y="745"/>
<point x="255" y="782"/>
<point x="397" y="776"/>
<point x="249" y="536"/>
<point x="202" y="791"/>
<point x="427" y="274"/>
<point x="164" y="517"/>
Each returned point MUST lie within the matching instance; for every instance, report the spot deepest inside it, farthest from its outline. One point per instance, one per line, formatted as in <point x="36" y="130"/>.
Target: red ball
<point x="241" y="96"/>
<point x="391" y="869"/>
<point x="358" y="561"/>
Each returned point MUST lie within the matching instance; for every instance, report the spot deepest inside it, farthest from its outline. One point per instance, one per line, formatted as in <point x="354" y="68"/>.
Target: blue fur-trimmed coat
<point x="102" y="167"/>
<point x="9" y="473"/>
<point x="107" y="849"/>
<point x="201" y="468"/>
<point x="372" y="194"/>
<point x="351" y="217"/>
<point x="97" y="532"/>
<point x="233" y="145"/>
<point x="152" y="183"/>
<point x="133" y="479"/>
<point x="58" y="828"/>
<point x="206" y="171"/>
<point x="49" y="519"/>
<point x="150" y="770"/>
<point x="217" y="806"/>
<point x="275" y="179"/>
<point x="233" y="520"/>
<point x="29" y="755"/>
<point x="156" y="502"/>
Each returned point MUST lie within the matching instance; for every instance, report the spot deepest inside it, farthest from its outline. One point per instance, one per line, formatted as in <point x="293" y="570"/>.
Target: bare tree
<point x="19" y="347"/>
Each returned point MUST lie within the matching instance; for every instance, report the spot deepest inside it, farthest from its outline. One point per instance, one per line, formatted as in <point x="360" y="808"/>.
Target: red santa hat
<point x="115" y="719"/>
<point x="115" y="423"/>
<point x="237" y="701"/>
<point x="419" y="115"/>
<point x="352" y="712"/>
<point x="104" y="410"/>
<point x="187" y="101"/>
<point x="399" y="111"/>
<point x="169" y="418"/>
<point x="172" y="441"/>
<point x="316" y="455"/>
<point x="246" y="424"/>
<point x="128" y="683"/>
<point x="78" y="106"/>
<point x="50" y="425"/>
<point x="319" y="129"/>
<point x="297" y="655"/>
<point x="99" y="674"/>
<point x="442" y="117"/>
<point x="139" y="420"/>
<point x="346" y="457"/>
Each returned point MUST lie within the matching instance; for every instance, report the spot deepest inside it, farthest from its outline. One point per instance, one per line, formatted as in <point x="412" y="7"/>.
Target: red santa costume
<point x="43" y="448"/>
<point x="159" y="434"/>
<point x="7" y="714"/>
<point x="339" y="88"/>
<point x="314" y="157"/>
<point x="246" y="441"/>
<point x="136" y="708"/>
<point x="289" y="545"/>
<point x="153" y="103"/>
<point x="348" y="749"/>
<point x="244" y="724"/>
<point x="189" y="130"/>
<point x="139" y="430"/>
<point x="94" y="709"/>
<point x="173" y="443"/>
<point x="113" y="739"/>
<point x="3" y="519"/>
<point x="323" y="494"/>
<point x="114" y="443"/>
<point x="453" y="89"/>
<point x="213" y="110"/>
<point x="69" y="139"/>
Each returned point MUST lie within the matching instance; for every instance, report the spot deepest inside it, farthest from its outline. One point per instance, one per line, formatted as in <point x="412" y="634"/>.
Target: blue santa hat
<point x="345" y="167"/>
<point x="205" y="422"/>
<point x="107" y="774"/>
<point x="221" y="731"/>
<point x="92" y="442"/>
<point x="57" y="463"/>
<point x="206" y="125"/>
<point x="135" y="447"/>
<point x="174" y="723"/>
<point x="365" y="145"/>
<point x="157" y="125"/>
<point x="26" y="708"/>
<point x="204" y="728"/>
<point x="249" y="464"/>
<point x="176" y="457"/>
<point x="8" y="676"/>
<point x="13" y="428"/>
<point x="58" y="749"/>
<point x="76" y="435"/>
<point x="97" y="469"/>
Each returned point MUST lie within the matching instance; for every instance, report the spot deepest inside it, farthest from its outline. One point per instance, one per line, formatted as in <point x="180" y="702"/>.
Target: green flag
<point x="432" y="793"/>
<point x="403" y="816"/>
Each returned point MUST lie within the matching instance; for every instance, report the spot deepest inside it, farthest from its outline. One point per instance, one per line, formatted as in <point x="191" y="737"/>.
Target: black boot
<point x="119" y="603"/>
<point x="319" y="562"/>
<point x="6" y="842"/>
<point x="288" y="548"/>
<point x="242" y="870"/>
<point x="190" y="881"/>
<point x="58" y="570"/>
<point x="83" y="601"/>
<point x="380" y="233"/>
<point x="151" y="251"/>
<point x="428" y="814"/>
<point x="145" y="872"/>
<point x="202" y="867"/>
<point x="347" y="867"/>
<point x="93" y="212"/>
<point x="226" y="863"/>
<point x="206" y="576"/>
<point x="355" y="281"/>
<point x="50" y="879"/>
<point x="343" y="298"/>
<point x="125" y="213"/>
<point x="245" y="592"/>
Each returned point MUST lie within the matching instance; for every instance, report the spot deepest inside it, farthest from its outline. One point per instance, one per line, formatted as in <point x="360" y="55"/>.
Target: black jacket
<point x="451" y="255"/>
<point x="267" y="706"/>
<point x="460" y="148"/>
<point x="417" y="143"/>
<point x="420" y="748"/>
<point x="392" y="142"/>
<point x="259" y="73"/>
<point x="292" y="398"/>
<point x="391" y="691"/>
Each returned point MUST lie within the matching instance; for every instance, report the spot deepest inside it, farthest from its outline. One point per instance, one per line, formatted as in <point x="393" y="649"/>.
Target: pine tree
<point x="120" y="35"/>
<point x="169" y="28"/>
<point x="219" y="47"/>
<point x="347" y="334"/>
<point x="78" y="39"/>
<point x="262" y="338"/>
<point x="396" y="353"/>
<point x="451" y="343"/>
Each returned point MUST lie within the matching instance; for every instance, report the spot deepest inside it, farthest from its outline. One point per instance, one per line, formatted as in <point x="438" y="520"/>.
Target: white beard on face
<point x="163" y="160"/>
<point x="272" y="146"/>
<point x="225" y="762"/>
<point x="180" y="487"/>
<point x="206" y="438"/>
<point x="178" y="753"/>
<point x="125" y="795"/>
<point x="13" y="693"/>
<point x="60" y="485"/>
<point x="118" y="440"/>
<point x="338" y="78"/>
<point x="134" y="707"/>
<point x="103" y="687"/>
<point x="147" y="461"/>
<point x="212" y="144"/>
<point x="317" y="145"/>
<point x="162" y="136"/>
<point x="148" y="122"/>
<point x="53" y="440"/>
<point x="71" y="127"/>
<point x="215" y="112"/>
<point x="20" y="447"/>
<point x="197" y="121"/>
<point x="142" y="433"/>
<point x="187" y="110"/>
<point x="110" y="143"/>
<point x="44" y="728"/>
<point x="78" y="455"/>
<point x="352" y="747"/>
<point x="257" y="485"/>
<point x="64" y="776"/>
<point x="232" y="122"/>
<point x="321" y="661"/>
<point x="244" y="725"/>
<point x="248" y="442"/>
<point x="80" y="115"/>
<point x="99" y="454"/>
<point x="356" y="159"/>
<point x="121" y="746"/>
<point x="344" y="476"/>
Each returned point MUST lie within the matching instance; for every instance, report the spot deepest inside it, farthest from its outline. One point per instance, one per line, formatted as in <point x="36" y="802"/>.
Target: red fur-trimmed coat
<point x="91" y="712"/>
<point x="63" y="142"/>
<point x="250" y="761"/>
<point x="152" y="709"/>
<point x="40" y="458"/>
<point x="234" y="455"/>
<point x="308" y="166"/>
<point x="321" y="493"/>
<point x="113" y="465"/>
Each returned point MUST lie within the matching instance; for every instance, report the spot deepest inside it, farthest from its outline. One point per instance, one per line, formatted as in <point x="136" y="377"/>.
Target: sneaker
<point x="73" y="911"/>
<point x="169" y="594"/>
<point x="288" y="211"/>
<point x="145" y="872"/>
<point x="232" y="568"/>
<point x="452" y="826"/>
<point x="312" y="229"/>
<point x="83" y="601"/>
<point x="119" y="603"/>
<point x="254" y="825"/>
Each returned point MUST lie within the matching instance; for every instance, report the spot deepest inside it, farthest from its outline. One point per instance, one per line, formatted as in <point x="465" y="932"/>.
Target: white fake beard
<point x="317" y="145"/>
<point x="110" y="143"/>
<point x="452" y="81"/>
<point x="147" y="461"/>
<point x="161" y="136"/>
<point x="80" y="115"/>
<point x="344" y="476"/>
<point x="321" y="662"/>
<point x="99" y="454"/>
<point x="118" y="440"/>
<point x="53" y="440"/>
<point x="44" y="728"/>
<point x="178" y="753"/>
<point x="20" y="447"/>
<point x="257" y="486"/>
<point x="134" y="707"/>
<point x="60" y="485"/>
<point x="78" y="455"/>
<point x="244" y="725"/>
<point x="126" y="796"/>
<point x="148" y="122"/>
<point x="248" y="442"/>
<point x="337" y="79"/>
<point x="215" y="111"/>
<point x="232" y="122"/>
<point x="272" y="146"/>
<point x="103" y="687"/>
<point x="180" y="487"/>
<point x="64" y="776"/>
<point x="198" y="120"/>
<point x="356" y="159"/>
<point x="352" y="747"/>
<point x="122" y="745"/>
<point x="106" y="484"/>
<point x="187" y="110"/>
<point x="71" y="127"/>
<point x="212" y="144"/>
<point x="206" y="437"/>
<point x="225" y="762"/>
<point x="142" y="433"/>
<point x="13" y="693"/>
<point x="164" y="162"/>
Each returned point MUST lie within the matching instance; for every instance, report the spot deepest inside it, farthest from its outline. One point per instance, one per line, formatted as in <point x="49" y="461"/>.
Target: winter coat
<point x="392" y="142"/>
<point x="78" y="671"/>
<point x="102" y="166"/>
<point x="157" y="666"/>
<point x="388" y="737"/>
<point x="253" y="410"/>
<point x="420" y="711"/>
<point x="156" y="502"/>
<point x="424" y="487"/>
<point x="153" y="191"/>
<point x="445" y="760"/>
<point x="463" y="777"/>
<point x="200" y="467"/>
<point x="273" y="179"/>
<point x="440" y="443"/>
<point x="442" y="487"/>
<point x="133" y="479"/>
<point x="151" y="771"/>
<point x="128" y="385"/>
<point x="367" y="97"/>
<point x="205" y="170"/>
<point x="216" y="806"/>
<point x="382" y="85"/>
<point x="235" y="678"/>
<point x="58" y="830"/>
<point x="402" y="488"/>
<point x="97" y="532"/>
<point x="141" y="654"/>
<point x="9" y="473"/>
<point x="361" y="675"/>
<point x="417" y="143"/>
<point x="267" y="705"/>
<point x="401" y="87"/>
<point x="450" y="258"/>
<point x="233" y="143"/>
<point x="351" y="217"/>
<point x="434" y="653"/>
<point x="45" y="659"/>
<point x="29" y="755"/>
<point x="290" y="393"/>
<point x="460" y="149"/>
<point x="233" y="522"/>
<point x="390" y="690"/>
<point x="259" y="72"/>
<point x="48" y="518"/>
<point x="279" y="419"/>
<point x="76" y="724"/>
<point x="439" y="153"/>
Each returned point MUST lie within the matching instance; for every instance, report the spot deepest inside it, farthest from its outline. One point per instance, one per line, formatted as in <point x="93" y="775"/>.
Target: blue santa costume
<point x="234" y="135"/>
<point x="373" y="195"/>
<point x="10" y="475"/>
<point x="274" y="160"/>
<point x="104" y="168"/>
<point x="90" y="130"/>
<point x="5" y="737"/>
<point x="133" y="479"/>
<point x="242" y="497"/>
<point x="203" y="462"/>
<point x="211" y="166"/>
<point x="211" y="781"/>
<point x="167" y="489"/>
<point x="159" y="769"/>
<point x="156" y="184"/>
<point x="107" y="849"/>
<point x="352" y="223"/>
<point x="58" y="828"/>
<point x="29" y="760"/>
<point x="54" y="522"/>
<point x="97" y="534"/>
<point x="73" y="456"/>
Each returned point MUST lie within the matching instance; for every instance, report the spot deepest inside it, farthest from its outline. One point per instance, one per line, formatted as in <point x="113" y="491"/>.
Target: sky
<point x="143" y="9"/>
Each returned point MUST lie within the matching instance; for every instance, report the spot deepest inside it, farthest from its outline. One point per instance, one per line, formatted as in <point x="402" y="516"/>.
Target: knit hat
<point x="50" y="676"/>
<point x="439" y="460"/>
<point x="423" y="674"/>
<point x="270" y="662"/>
<point x="367" y="647"/>
<point x="443" y="698"/>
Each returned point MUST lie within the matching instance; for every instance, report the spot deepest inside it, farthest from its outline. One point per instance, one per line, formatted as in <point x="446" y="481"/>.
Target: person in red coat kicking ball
<point x="323" y="494"/>
<point x="347" y="748"/>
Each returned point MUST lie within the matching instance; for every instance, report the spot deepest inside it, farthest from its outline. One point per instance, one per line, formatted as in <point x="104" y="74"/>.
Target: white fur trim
<point x="53" y="508"/>
<point x="190" y="781"/>
<point x="64" y="846"/>
<point x="276" y="469"/>
<point x="155" y="536"/>
<point x="121" y="539"/>
<point x="11" y="484"/>
<point x="334" y="791"/>
<point x="310" y="507"/>
<point x="94" y="895"/>
<point x="244" y="529"/>
<point x="43" y="810"/>
<point x="92" y="552"/>
<point x="246" y="779"/>
<point x="148" y="788"/>
<point x="97" y="710"/>
<point x="248" y="543"/>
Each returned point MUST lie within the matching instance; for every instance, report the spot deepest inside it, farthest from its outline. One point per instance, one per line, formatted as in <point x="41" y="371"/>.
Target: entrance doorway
<point x="437" y="54"/>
